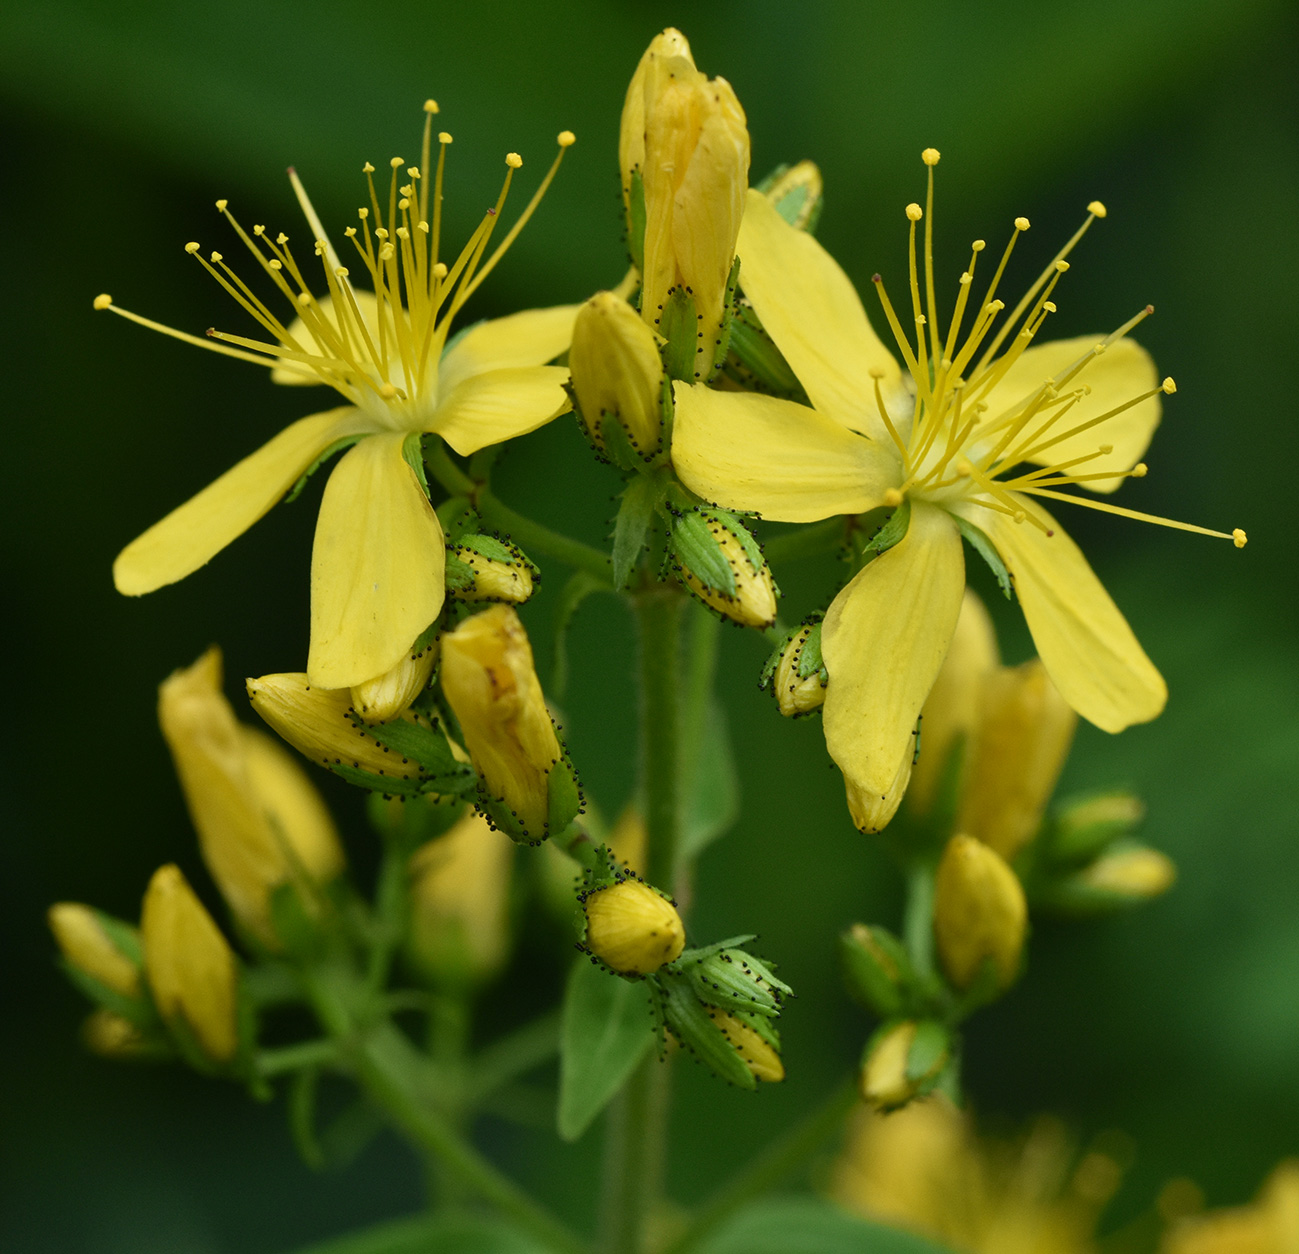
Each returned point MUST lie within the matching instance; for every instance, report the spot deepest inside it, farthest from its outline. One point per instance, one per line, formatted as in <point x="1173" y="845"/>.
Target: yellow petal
<point x="884" y="638"/>
<point x="292" y="374"/>
<point x="499" y="405"/>
<point x="776" y="458"/>
<point x="1087" y="646"/>
<point x="376" y="568"/>
<point x="812" y="311"/>
<point x="1123" y="371"/>
<point x="191" y="535"/>
<point x="530" y="338"/>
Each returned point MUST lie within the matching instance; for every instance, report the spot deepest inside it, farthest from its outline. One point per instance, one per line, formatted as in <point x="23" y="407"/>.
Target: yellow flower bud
<point x="1025" y="731"/>
<point x="89" y="947"/>
<point x="189" y="965"/>
<point x="799" y="678"/>
<point x="497" y="571"/>
<point x="721" y="563"/>
<point x="459" y="899"/>
<point x="112" y="1036"/>
<point x="979" y="913"/>
<point x="629" y="840"/>
<point x="1136" y="873"/>
<point x="953" y="707"/>
<point x="762" y="1060"/>
<point x="687" y="136"/>
<point x="260" y="822"/>
<point x="386" y="696"/>
<point x="318" y="723"/>
<point x="632" y="929"/>
<point x="617" y="374"/>
<point x="872" y="812"/>
<point x="490" y="682"/>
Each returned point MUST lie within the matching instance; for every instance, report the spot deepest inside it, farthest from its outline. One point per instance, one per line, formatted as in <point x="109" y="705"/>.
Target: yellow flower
<point x="377" y="562"/>
<point x="260" y="822"/>
<point x="944" y="437"/>
<point x="1270" y="1225"/>
<point x="632" y="929"/>
<point x="686" y="136"/>
<point x="97" y="950"/>
<point x="923" y="1168"/>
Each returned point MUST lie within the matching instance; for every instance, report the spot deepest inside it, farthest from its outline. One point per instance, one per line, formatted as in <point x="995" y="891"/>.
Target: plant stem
<point x="273" y="1062"/>
<point x="658" y="616"/>
<point x="769" y="1167"/>
<point x="918" y="918"/>
<point x="536" y="538"/>
<point x="514" y="1055"/>
<point x="633" y="1158"/>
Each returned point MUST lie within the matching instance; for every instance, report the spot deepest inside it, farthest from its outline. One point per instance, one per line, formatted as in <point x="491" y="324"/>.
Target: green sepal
<point x="1080" y="830"/>
<point x="636" y="218"/>
<point x="563" y="795"/>
<point x="796" y="194"/>
<point x="457" y="516"/>
<point x="678" y="324"/>
<point x="616" y="445"/>
<point x="810" y="660"/>
<point x="387" y="785"/>
<point x="877" y="970"/>
<point x="667" y="413"/>
<point x="412" y="451"/>
<point x="723" y="347"/>
<point x="337" y="447"/>
<point x="458" y="576"/>
<point x="640" y="499"/>
<point x="1074" y="896"/>
<point x="428" y="749"/>
<point x="930" y="1049"/>
<point x="978" y="540"/>
<point x="757" y="356"/>
<point x="892" y="532"/>
<point x="735" y="981"/>
<point x="136" y="1010"/>
<point x="301" y="1109"/>
<point x="697" y="550"/>
<point x="296" y="928"/>
<point x="680" y="1011"/>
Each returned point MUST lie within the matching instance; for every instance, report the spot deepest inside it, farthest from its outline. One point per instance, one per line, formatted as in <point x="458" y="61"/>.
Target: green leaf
<point x="579" y="586"/>
<point x="892" y="532"/>
<point x="430" y="749"/>
<point x="422" y="1234"/>
<point x="979" y="542"/>
<point x="632" y="525"/>
<point x="712" y="788"/>
<point x="606" y="1031"/>
<point x="805" y="1225"/>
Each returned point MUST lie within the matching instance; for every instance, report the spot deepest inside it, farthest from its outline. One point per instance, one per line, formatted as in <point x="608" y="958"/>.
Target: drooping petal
<point x="776" y="458"/>
<point x="499" y="405"/>
<point x="1086" y="644"/>
<point x="884" y="638"/>
<point x="812" y="311"/>
<point x="1123" y="371"/>
<point x="194" y="533"/>
<point x="530" y="338"/>
<point x="376" y="567"/>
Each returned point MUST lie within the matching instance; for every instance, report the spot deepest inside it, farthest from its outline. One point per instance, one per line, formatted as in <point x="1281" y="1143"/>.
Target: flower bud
<point x="488" y="569"/>
<point x="980" y="914"/>
<point x="1086" y="825"/>
<point x="1025" y="730"/>
<point x="757" y="1054"/>
<point x="685" y="137"/>
<point x="629" y="839"/>
<point x="99" y="946"/>
<point x="260" y="822"/>
<point x="632" y="929"/>
<point x="876" y="967"/>
<point x="189" y="965"/>
<point x="952" y="711"/>
<point x="903" y="1061"/>
<point x="797" y="674"/>
<point x="114" y="1036"/>
<point x="722" y="564"/>
<point x="459" y="903"/>
<point x="617" y="376"/>
<point x="388" y="695"/>
<point x="489" y="680"/>
<point x="1125" y="875"/>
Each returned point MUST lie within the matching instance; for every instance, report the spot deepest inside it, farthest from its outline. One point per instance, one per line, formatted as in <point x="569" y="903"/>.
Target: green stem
<point x="658" y="616"/>
<point x="633" y="1158"/>
<point x="273" y="1062"/>
<point x="514" y="1055"/>
<point x="769" y="1167"/>
<point x="918" y="919"/>
<point x="536" y="538"/>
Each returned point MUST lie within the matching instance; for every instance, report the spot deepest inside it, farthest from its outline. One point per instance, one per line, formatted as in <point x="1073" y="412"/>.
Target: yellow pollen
<point x="367" y="168"/>
<point x="304" y="300"/>
<point x="930" y="156"/>
<point x="444" y="137"/>
<point x="103" y="300"/>
<point x="259" y="230"/>
<point x="914" y="212"/>
<point x="1061" y="267"/>
<point x="431" y="106"/>
<point x="966" y="278"/>
<point x="387" y="391"/>
<point x="1097" y="208"/>
<point x="363" y="214"/>
<point x="217" y="257"/>
<point x="979" y="245"/>
<point x="963" y="467"/>
<point x="396" y="162"/>
<point x="413" y="172"/>
<point x="566" y="139"/>
<point x="349" y="232"/>
<point x="276" y="265"/>
<point x="893" y="498"/>
<point x="191" y="248"/>
<point x="1019" y="516"/>
<point x="341" y="272"/>
<point x="281" y="239"/>
<point x="513" y="160"/>
<point x="1168" y="387"/>
<point x="1239" y="538"/>
<point x="1106" y="449"/>
<point x="1140" y="470"/>
<point x="440" y="270"/>
<point x="221" y="205"/>
<point x="1021" y="224"/>
<point x="1049" y="306"/>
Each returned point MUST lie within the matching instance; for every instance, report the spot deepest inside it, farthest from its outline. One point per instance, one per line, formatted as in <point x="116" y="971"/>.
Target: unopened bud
<point x="260" y="822"/>
<point x="980" y="914"/>
<point x="632" y="929"/>
<point x="383" y="698"/>
<point x="797" y="674"/>
<point x="1126" y="875"/>
<point x="903" y="1061"/>
<point x="489" y="680"/>
<point x="617" y="377"/>
<point x="189" y="965"/>
<point x="876" y="967"/>
<point x="459" y="902"/>
<point x="757" y="1054"/>
<point x="1084" y="827"/>
<point x="483" y="568"/>
<point x="629" y="839"/>
<point x="114" y="1036"/>
<point x="722" y="564"/>
<point x="97" y="945"/>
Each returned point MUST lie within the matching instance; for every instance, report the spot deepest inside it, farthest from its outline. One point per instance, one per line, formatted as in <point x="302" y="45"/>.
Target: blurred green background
<point x="124" y="121"/>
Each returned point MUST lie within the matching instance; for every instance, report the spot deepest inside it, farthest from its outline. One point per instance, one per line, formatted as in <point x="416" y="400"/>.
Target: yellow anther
<point x="915" y="212"/>
<point x="567" y="139"/>
<point x="363" y="214"/>
<point x="349" y="231"/>
<point x="381" y="232"/>
<point x="963" y="467"/>
<point x="965" y="278"/>
<point x="444" y="137"/>
<point x="979" y="245"/>
<point x="1097" y="208"/>
<point x="1049" y="306"/>
<point x="396" y="162"/>
<point x="440" y="270"/>
<point x="875" y="372"/>
<point x="431" y="106"/>
<point x="387" y="253"/>
<point x="1061" y="267"/>
<point x="1140" y="470"/>
<point x="1239" y="538"/>
<point x="1019" y="516"/>
<point x="513" y="160"/>
<point x="221" y="205"/>
<point x="404" y="202"/>
<point x="1021" y="224"/>
<point x="920" y="320"/>
<point x="342" y="272"/>
<point x="1168" y="387"/>
<point x="304" y="300"/>
<point x="216" y="257"/>
<point x="1106" y="450"/>
<point x="892" y="498"/>
<point x="191" y="248"/>
<point x="276" y="265"/>
<point x="367" y="168"/>
<point x="259" y="230"/>
<point x="387" y="391"/>
<point x="413" y="171"/>
<point x="281" y="239"/>
<point x="421" y="225"/>
<point x="403" y="233"/>
<point x="930" y="156"/>
<point x="104" y="300"/>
